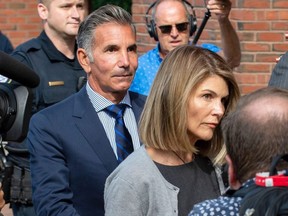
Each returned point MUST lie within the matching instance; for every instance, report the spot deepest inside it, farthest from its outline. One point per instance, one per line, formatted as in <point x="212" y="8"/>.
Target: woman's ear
<point x="233" y="181"/>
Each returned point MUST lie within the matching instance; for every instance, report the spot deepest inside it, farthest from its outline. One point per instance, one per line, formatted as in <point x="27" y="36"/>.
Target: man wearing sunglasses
<point x="172" y="26"/>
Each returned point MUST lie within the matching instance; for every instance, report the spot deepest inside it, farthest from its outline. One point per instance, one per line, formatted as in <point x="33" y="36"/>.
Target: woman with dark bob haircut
<point x="177" y="165"/>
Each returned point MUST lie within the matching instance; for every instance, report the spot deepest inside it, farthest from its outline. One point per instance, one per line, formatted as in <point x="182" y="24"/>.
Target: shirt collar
<point x="157" y="52"/>
<point x="52" y="52"/>
<point x="100" y="103"/>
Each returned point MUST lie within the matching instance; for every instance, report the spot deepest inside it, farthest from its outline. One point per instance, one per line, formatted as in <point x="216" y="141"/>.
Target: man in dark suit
<point x="279" y="76"/>
<point x="72" y="144"/>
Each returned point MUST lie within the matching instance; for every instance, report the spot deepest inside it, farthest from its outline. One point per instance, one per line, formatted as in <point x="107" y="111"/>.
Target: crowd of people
<point x="114" y="134"/>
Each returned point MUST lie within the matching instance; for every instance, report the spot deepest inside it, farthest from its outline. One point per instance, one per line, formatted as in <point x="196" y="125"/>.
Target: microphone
<point x="17" y="71"/>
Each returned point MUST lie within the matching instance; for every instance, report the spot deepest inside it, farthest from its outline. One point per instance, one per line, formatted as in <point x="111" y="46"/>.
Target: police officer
<point x="52" y="55"/>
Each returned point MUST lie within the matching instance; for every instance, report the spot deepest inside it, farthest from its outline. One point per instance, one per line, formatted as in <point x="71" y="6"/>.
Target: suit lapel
<point x="137" y="102"/>
<point x="92" y="129"/>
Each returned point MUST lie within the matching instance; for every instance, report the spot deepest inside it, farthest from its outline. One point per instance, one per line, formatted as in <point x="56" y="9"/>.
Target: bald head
<point x="264" y="107"/>
<point x="256" y="131"/>
<point x="169" y="9"/>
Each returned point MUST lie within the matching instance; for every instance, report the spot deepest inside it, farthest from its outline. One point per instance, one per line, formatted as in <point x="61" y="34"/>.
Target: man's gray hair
<point x="105" y="14"/>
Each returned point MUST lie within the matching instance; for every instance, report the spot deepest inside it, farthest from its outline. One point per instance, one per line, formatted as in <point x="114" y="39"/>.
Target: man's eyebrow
<point x="111" y="46"/>
<point x="133" y="46"/>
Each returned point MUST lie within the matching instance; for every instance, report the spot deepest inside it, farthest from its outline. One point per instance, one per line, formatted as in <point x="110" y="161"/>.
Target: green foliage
<point x="126" y="4"/>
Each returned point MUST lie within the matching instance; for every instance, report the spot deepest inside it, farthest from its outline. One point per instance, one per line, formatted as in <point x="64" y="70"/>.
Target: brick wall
<point x="19" y="20"/>
<point x="261" y="26"/>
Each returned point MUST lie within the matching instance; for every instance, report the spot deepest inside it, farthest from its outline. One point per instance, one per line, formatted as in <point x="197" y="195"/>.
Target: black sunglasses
<point x="181" y="27"/>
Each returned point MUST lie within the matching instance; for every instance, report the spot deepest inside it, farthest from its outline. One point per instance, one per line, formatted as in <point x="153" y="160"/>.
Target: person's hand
<point x="221" y="8"/>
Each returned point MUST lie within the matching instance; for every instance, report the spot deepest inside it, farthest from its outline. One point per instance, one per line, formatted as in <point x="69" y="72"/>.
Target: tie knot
<point x="116" y="110"/>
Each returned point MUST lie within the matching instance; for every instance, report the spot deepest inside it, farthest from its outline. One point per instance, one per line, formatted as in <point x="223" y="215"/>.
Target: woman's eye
<point x="207" y="96"/>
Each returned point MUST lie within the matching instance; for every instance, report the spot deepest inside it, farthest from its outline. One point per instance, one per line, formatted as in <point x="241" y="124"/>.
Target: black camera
<point x="15" y="98"/>
<point x="15" y="110"/>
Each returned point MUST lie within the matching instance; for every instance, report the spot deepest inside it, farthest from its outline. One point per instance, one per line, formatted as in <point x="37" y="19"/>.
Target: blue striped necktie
<point x="122" y="135"/>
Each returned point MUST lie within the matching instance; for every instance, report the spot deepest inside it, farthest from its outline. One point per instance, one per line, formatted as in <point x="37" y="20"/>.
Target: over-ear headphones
<point x="151" y="24"/>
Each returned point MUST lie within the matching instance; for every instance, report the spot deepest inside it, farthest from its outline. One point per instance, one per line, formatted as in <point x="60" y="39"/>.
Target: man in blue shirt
<point x="252" y="139"/>
<point x="172" y="25"/>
